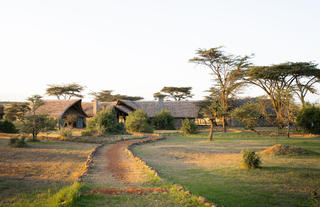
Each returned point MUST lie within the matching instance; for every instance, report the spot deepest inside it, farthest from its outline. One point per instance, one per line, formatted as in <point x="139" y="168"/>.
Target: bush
<point x="250" y="159"/>
<point x="248" y="114"/>
<point x="138" y="121"/>
<point x="17" y="142"/>
<point x="188" y="127"/>
<point x="308" y="119"/>
<point x="163" y="120"/>
<point x="65" y="132"/>
<point x="106" y="122"/>
<point x="7" y="127"/>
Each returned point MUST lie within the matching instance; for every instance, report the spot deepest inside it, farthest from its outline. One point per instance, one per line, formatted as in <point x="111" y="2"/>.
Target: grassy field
<point x="32" y="175"/>
<point x="45" y="173"/>
<point x="213" y="170"/>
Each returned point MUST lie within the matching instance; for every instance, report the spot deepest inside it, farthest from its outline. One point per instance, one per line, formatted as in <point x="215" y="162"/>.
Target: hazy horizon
<point x="137" y="47"/>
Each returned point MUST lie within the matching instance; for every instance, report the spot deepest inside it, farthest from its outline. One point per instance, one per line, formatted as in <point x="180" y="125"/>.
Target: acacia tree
<point x="278" y="83"/>
<point x="177" y="93"/>
<point x="308" y="76"/>
<point x="248" y="114"/>
<point x="107" y="96"/>
<point x="66" y="91"/>
<point x="227" y="71"/>
<point x="35" y="123"/>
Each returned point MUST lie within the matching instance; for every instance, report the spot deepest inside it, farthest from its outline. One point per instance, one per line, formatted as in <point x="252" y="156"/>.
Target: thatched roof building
<point x="178" y="109"/>
<point x="61" y="109"/>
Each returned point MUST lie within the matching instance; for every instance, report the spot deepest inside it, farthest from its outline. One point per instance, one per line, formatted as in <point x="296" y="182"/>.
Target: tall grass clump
<point x="188" y="127"/>
<point x="250" y="159"/>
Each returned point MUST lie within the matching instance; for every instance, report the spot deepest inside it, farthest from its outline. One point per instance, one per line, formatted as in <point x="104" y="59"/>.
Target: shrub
<point x="17" y="142"/>
<point x="308" y="119"/>
<point x="163" y="120"/>
<point x="106" y="122"/>
<point x="250" y="159"/>
<point x="138" y="121"/>
<point x="7" y="127"/>
<point x="188" y="127"/>
<point x="65" y="132"/>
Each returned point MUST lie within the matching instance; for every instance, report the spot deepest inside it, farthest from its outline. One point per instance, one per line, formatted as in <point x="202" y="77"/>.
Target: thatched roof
<point x="178" y="109"/>
<point x="57" y="108"/>
<point x="88" y="106"/>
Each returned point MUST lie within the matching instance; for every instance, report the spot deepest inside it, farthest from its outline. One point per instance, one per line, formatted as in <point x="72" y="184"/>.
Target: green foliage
<point x="7" y="127"/>
<point x="188" y="127"/>
<point x="16" y="111"/>
<point x="107" y="96"/>
<point x="34" y="124"/>
<point x="138" y="121"/>
<point x="106" y="122"/>
<point x="308" y="119"/>
<point x="248" y="114"/>
<point x="163" y="120"/>
<point x="250" y="159"/>
<point x="18" y="142"/>
<point x="65" y="132"/>
<point x="176" y="93"/>
<point x="35" y="102"/>
<point x="65" y="90"/>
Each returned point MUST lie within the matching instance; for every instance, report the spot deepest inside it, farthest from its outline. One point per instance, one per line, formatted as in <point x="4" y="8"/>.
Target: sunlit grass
<point x="213" y="169"/>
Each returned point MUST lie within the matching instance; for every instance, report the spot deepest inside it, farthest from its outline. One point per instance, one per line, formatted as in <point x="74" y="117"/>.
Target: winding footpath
<point x="112" y="166"/>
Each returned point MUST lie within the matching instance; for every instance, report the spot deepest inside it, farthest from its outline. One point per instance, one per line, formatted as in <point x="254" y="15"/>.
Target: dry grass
<point x="38" y="166"/>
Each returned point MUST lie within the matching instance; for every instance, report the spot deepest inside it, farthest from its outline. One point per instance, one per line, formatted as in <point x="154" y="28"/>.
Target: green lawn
<point x="212" y="169"/>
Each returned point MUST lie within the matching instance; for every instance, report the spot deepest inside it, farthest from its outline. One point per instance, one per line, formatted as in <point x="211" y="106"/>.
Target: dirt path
<point x="113" y="167"/>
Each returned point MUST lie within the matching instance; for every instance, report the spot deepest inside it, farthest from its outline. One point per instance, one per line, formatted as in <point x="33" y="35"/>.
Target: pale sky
<point x="137" y="47"/>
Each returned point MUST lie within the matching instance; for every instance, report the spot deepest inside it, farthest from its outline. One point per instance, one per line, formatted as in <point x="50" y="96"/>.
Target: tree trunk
<point x="288" y="131"/>
<point x="211" y="130"/>
<point x="224" y="124"/>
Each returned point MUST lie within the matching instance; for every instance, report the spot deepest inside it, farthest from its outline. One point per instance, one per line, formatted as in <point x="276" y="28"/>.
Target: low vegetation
<point x="105" y="122"/>
<point x="250" y="159"/>
<point x="65" y="132"/>
<point x="7" y="127"/>
<point x="308" y="119"/>
<point x="138" y="121"/>
<point x="188" y="127"/>
<point x="163" y="120"/>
